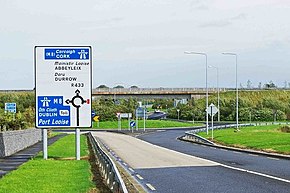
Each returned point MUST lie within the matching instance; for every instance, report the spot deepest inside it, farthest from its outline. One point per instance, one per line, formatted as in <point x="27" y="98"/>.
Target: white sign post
<point x="63" y="85"/>
<point x="212" y="110"/>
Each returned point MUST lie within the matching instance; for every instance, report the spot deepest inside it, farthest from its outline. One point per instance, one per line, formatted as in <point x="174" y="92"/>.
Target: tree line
<point x="271" y="105"/>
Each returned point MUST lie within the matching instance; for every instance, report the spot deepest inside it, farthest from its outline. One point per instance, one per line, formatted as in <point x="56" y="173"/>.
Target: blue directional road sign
<point x="53" y="112"/>
<point x="132" y="124"/>
<point x="93" y="113"/>
<point x="140" y="112"/>
<point x="10" y="107"/>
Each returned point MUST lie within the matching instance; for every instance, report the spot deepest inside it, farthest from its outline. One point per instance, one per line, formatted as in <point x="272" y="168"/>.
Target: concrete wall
<point x="14" y="141"/>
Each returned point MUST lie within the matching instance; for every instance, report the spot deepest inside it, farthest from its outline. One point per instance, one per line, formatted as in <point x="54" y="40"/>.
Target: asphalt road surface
<point x="166" y="164"/>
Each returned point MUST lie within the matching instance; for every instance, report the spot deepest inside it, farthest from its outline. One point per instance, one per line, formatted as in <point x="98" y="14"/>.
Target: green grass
<point x="52" y="175"/>
<point x="65" y="148"/>
<point x="267" y="138"/>
<point x="149" y="124"/>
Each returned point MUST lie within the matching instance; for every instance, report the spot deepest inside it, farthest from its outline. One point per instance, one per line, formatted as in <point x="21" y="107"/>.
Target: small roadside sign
<point x="140" y="111"/>
<point x="96" y="118"/>
<point x="93" y="113"/>
<point x="126" y="115"/>
<point x="132" y="124"/>
<point x="10" y="107"/>
<point x="212" y="109"/>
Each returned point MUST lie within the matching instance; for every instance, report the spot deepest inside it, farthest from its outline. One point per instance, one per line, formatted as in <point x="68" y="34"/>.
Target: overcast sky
<point x="142" y="42"/>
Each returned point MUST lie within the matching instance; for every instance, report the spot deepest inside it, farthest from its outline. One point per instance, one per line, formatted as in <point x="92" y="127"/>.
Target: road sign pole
<point x="129" y="122"/>
<point x="144" y="120"/>
<point x="119" y="123"/>
<point x="212" y="127"/>
<point x="78" y="144"/>
<point x="136" y="120"/>
<point x="211" y="113"/>
<point x="44" y="140"/>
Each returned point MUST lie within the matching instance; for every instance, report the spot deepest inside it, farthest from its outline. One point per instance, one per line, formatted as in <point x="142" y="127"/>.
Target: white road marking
<point x="124" y="164"/>
<point x="131" y="169"/>
<point x="212" y="147"/>
<point x="257" y="173"/>
<point x="273" y="158"/>
<point x="253" y="155"/>
<point x="151" y="187"/>
<point x="207" y="162"/>
<point x="140" y="177"/>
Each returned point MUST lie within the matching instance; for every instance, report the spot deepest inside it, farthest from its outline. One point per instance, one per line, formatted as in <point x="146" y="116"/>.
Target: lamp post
<point x="178" y="114"/>
<point x="237" y="91"/>
<point x="203" y="54"/>
<point x="218" y="90"/>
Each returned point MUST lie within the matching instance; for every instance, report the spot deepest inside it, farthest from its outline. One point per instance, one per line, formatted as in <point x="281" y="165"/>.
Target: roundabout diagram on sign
<point x="77" y="101"/>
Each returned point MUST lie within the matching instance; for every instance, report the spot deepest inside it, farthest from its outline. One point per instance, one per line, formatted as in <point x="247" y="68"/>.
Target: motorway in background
<point x="166" y="164"/>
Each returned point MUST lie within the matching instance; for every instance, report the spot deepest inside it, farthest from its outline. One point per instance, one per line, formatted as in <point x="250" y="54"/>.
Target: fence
<point x="107" y="167"/>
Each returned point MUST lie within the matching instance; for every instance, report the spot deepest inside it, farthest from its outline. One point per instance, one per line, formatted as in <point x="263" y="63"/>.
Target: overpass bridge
<point x="154" y="93"/>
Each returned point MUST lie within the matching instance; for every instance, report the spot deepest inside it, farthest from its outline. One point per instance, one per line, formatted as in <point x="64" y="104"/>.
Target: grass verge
<point x="149" y="124"/>
<point x="267" y="138"/>
<point x="62" y="175"/>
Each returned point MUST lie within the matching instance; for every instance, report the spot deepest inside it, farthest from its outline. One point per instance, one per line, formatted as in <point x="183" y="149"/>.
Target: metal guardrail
<point x="196" y="138"/>
<point x="220" y="127"/>
<point x="108" y="168"/>
<point x="191" y="135"/>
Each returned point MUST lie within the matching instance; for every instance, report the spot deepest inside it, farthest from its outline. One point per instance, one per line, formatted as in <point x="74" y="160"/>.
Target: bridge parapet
<point x="154" y="90"/>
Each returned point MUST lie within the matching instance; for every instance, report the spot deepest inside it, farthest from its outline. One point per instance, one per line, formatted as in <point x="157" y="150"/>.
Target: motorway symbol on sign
<point x="212" y="109"/>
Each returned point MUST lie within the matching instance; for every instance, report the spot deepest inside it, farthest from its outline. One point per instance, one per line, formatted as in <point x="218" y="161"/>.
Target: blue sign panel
<point x="52" y="112"/>
<point x="93" y="113"/>
<point x="10" y="107"/>
<point x="66" y="54"/>
<point x="140" y="112"/>
<point x="132" y="124"/>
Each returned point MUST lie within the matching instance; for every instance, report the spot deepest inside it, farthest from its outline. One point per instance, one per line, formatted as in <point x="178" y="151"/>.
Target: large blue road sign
<point x="63" y="86"/>
<point x="53" y="112"/>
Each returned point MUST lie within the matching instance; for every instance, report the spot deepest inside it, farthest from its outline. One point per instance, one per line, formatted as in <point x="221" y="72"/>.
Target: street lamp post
<point x="204" y="54"/>
<point x="178" y="114"/>
<point x="218" y="90"/>
<point x="237" y="90"/>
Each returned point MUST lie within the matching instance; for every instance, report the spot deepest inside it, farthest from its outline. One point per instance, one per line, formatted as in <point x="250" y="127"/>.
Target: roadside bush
<point x="285" y="129"/>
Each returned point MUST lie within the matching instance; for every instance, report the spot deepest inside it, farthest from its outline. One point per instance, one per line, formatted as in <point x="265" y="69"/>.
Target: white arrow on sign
<point x="212" y="109"/>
